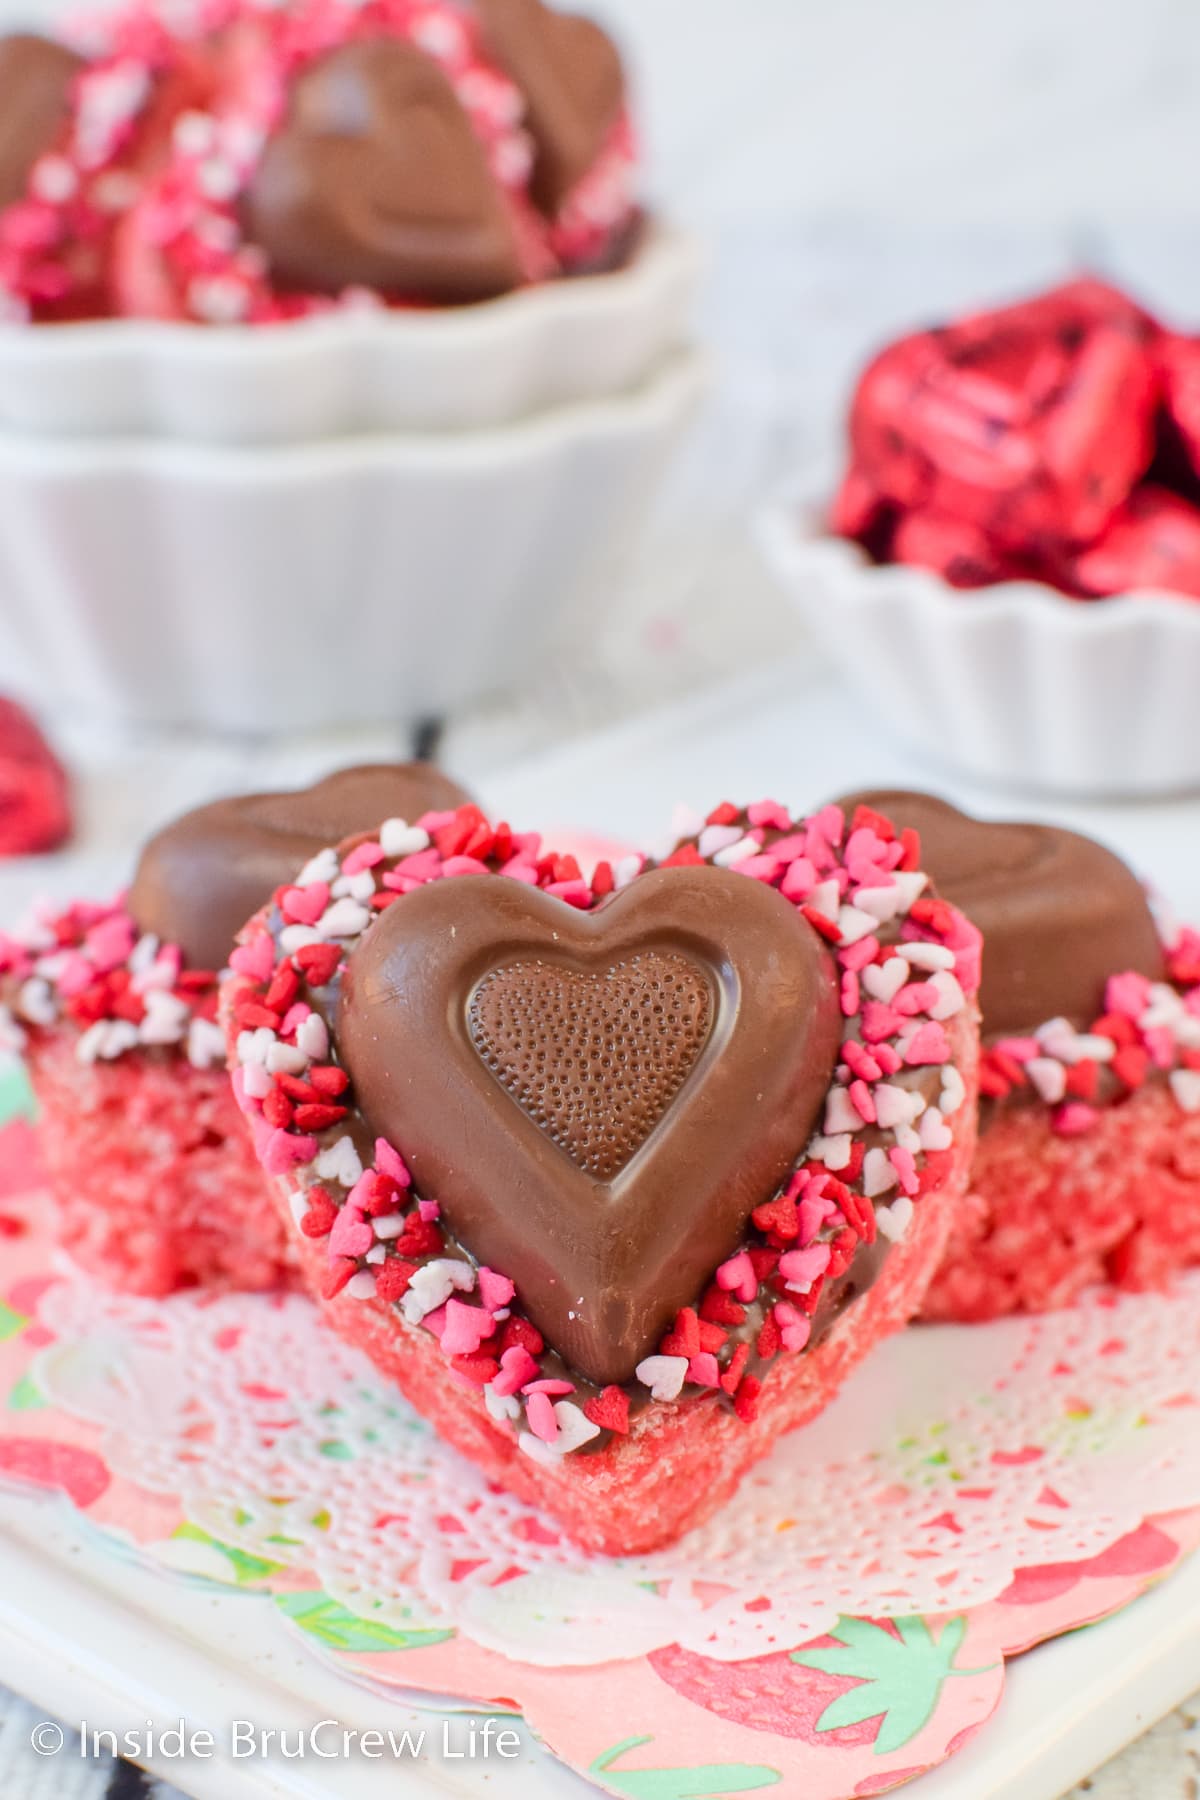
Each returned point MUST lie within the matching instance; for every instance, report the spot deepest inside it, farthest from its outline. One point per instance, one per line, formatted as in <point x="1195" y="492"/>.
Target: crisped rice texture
<point x="1050" y="1215"/>
<point x="156" y="1184"/>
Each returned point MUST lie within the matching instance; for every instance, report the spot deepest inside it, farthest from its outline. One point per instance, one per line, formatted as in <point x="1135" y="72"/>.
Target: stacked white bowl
<point x="365" y="516"/>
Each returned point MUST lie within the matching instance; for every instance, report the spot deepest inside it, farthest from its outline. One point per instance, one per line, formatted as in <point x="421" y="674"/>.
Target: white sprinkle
<point x="376" y="1254"/>
<point x="663" y="1375"/>
<point x="718" y="837"/>
<point x="399" y="838"/>
<point x="930" y="956"/>
<point x="217" y="179"/>
<point x="853" y="925"/>
<point x="1185" y="1085"/>
<point x="894" y="1220"/>
<point x="298" y="1204"/>
<point x="296" y="937"/>
<point x="686" y="822"/>
<point x="194" y="134"/>
<point x="322" y="867"/>
<point x="950" y="997"/>
<point x="954" y="1091"/>
<point x="256" y="1083"/>
<point x="53" y="180"/>
<point x="361" y="1286"/>
<point x="834" y="1152"/>
<point x="883" y="981"/>
<point x="166" y="1019"/>
<point x="1048" y="1077"/>
<point x="388" y="1225"/>
<point x="933" y="1131"/>
<point x="501" y="1406"/>
<point x="841" y="1114"/>
<point x="255" y="1046"/>
<point x="286" y="1059"/>
<point x="626" y="870"/>
<point x="825" y="899"/>
<point x="907" y="1138"/>
<point x="432" y="1286"/>
<point x="358" y="887"/>
<point x="736" y="853"/>
<point x="344" y="919"/>
<point x="339" y="1162"/>
<point x="220" y="299"/>
<point x="312" y="1037"/>
<point x="896" y="1105"/>
<point x="538" y="1450"/>
<point x="911" y="886"/>
<point x="878" y="1174"/>
<point x="883" y="903"/>
<point x="36" y="1003"/>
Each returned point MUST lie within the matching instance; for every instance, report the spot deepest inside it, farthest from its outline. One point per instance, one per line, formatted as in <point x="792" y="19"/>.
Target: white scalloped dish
<point x="352" y="372"/>
<point x="1014" y="682"/>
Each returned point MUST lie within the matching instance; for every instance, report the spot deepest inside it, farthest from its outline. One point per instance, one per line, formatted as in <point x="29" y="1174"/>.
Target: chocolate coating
<point x="376" y="179"/>
<point x="597" y="1100"/>
<point x="1059" y="913"/>
<point x="202" y="877"/>
<point x="570" y="73"/>
<point x="35" y="95"/>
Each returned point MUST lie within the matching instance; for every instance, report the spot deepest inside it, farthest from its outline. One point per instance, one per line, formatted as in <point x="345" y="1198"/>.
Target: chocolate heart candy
<point x="35" y="96"/>
<point x="1059" y="913"/>
<point x="570" y="73"/>
<point x="201" y="878"/>
<point x="596" y="1100"/>
<point x="376" y="179"/>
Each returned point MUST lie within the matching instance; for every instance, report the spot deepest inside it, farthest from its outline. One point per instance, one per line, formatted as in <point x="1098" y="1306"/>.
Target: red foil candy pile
<point x="1058" y="440"/>
<point x="35" y="812"/>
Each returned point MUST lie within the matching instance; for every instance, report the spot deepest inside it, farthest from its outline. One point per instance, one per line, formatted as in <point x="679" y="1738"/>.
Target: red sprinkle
<point x="609" y="1409"/>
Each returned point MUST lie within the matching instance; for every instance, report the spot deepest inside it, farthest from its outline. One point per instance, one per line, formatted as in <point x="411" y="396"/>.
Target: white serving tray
<point x="89" y="1636"/>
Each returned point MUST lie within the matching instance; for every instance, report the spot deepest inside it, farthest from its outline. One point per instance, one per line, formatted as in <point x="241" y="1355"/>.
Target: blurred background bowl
<point x="1013" y="683"/>
<point x="363" y="579"/>
<point x="439" y="369"/>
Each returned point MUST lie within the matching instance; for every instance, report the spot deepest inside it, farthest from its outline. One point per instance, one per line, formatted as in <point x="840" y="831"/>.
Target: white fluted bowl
<point x="1012" y="683"/>
<point x="366" y="579"/>
<point x="445" y="369"/>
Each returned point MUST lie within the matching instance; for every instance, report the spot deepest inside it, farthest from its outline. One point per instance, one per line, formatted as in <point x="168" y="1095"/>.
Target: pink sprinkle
<point x="366" y="856"/>
<point x="759" y="868"/>
<point x="917" y="997"/>
<point x="857" y="956"/>
<point x="466" y="1328"/>
<point x="863" y="1103"/>
<point x="286" y="1150"/>
<point x="109" y="944"/>
<point x="574" y="893"/>
<point x="1074" y="1118"/>
<point x="539" y="1412"/>
<point x="704" y="1370"/>
<point x="435" y="1321"/>
<point x="814" y="1209"/>
<point x="304" y="905"/>
<point x="860" y="1061"/>
<point x="880" y="1021"/>
<point x="770" y="814"/>
<point x="799" y="880"/>
<point x="75" y="973"/>
<point x="429" y="1210"/>
<point x="350" y="1234"/>
<point x="791" y="848"/>
<point x="737" y="1277"/>
<point x="293" y="1018"/>
<point x="800" y="1268"/>
<point x="495" y="1290"/>
<point x="556" y="1389"/>
<point x="851" y="995"/>
<point x="1021" y="1049"/>
<point x="422" y="865"/>
<point x="389" y="1162"/>
<point x="887" y="1057"/>
<point x="794" y="1326"/>
<point x="518" y="869"/>
<point x="830" y="823"/>
<point x="1128" y="994"/>
<point x="464" y="865"/>
<point x="904" y="1163"/>
<point x="929" y="1045"/>
<point x="517" y="1370"/>
<point x="1159" y="1040"/>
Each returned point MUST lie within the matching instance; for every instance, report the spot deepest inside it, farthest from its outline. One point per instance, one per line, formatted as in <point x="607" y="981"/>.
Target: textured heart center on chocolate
<point x="594" y="1058"/>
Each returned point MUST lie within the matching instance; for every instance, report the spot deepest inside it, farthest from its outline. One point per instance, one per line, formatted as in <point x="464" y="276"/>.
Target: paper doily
<point x="957" y="1457"/>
